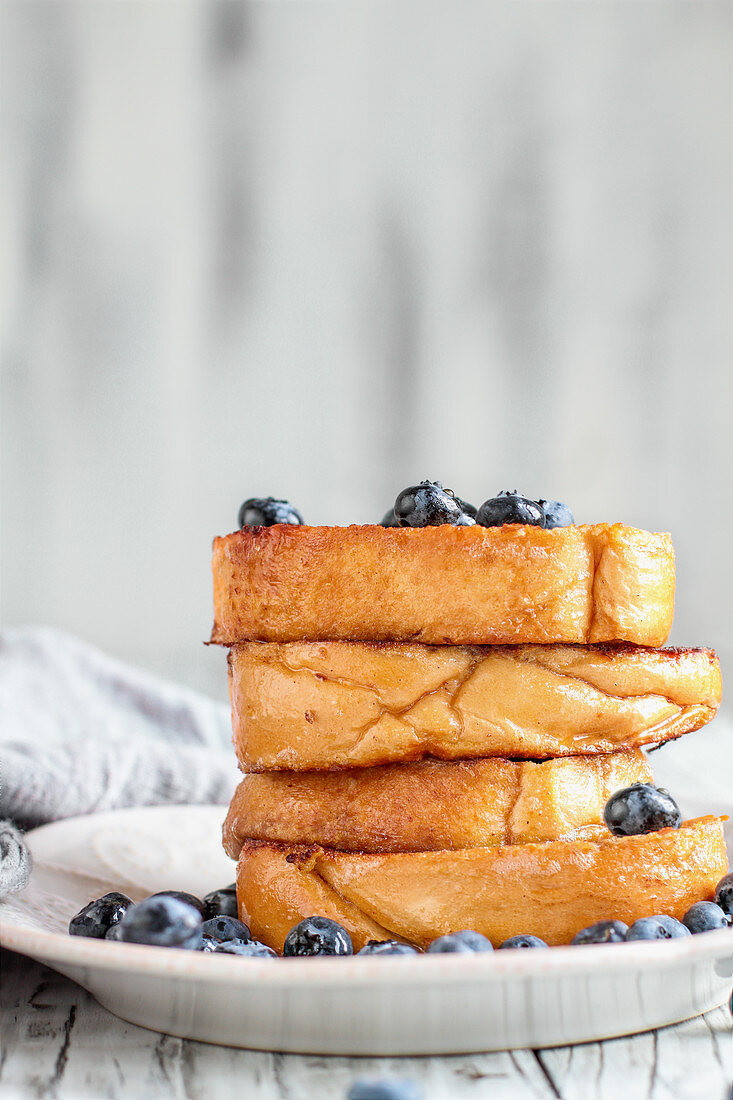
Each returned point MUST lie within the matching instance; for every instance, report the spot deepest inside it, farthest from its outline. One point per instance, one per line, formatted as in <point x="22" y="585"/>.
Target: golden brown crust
<point x="320" y="705"/>
<point x="431" y="805"/>
<point x="444" y="585"/>
<point x="551" y="889"/>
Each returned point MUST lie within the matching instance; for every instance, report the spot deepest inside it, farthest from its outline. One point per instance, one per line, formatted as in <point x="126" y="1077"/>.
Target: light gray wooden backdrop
<point x="322" y="250"/>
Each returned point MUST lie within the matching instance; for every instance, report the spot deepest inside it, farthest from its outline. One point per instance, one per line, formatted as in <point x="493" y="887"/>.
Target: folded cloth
<point x="81" y="732"/>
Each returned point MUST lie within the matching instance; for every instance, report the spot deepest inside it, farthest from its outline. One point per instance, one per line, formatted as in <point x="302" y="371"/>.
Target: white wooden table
<point x="57" y="1042"/>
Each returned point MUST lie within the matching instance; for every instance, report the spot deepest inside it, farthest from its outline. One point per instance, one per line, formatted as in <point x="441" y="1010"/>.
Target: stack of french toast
<point x="431" y="720"/>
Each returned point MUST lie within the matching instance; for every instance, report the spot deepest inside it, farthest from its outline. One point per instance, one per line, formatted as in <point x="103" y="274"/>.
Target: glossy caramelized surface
<point x="430" y="805"/>
<point x="444" y="585"/>
<point x="317" y="705"/>
<point x="550" y="889"/>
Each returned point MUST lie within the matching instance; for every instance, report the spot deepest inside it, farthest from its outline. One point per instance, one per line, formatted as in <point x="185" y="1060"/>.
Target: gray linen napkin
<point x="80" y="732"/>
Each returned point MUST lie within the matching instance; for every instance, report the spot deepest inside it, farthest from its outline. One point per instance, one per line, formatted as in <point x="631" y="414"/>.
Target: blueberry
<point x="704" y="916"/>
<point x="641" y="808"/>
<point x="510" y="507"/>
<point x="221" y="903"/>
<point x="463" y="942"/>
<point x="389" y="519"/>
<point x="605" y="931"/>
<point x="162" y="921"/>
<point x="385" y="1088"/>
<point x="226" y="928"/>
<point x="468" y="509"/>
<point x="387" y="947"/>
<point x="656" y="928"/>
<point x="189" y="899"/>
<point x="266" y="511"/>
<point x="556" y="514"/>
<point x="208" y="943"/>
<point x="429" y="505"/>
<point x="96" y="918"/>
<point x="318" y="936"/>
<point x="522" y="941"/>
<point x="724" y="894"/>
<point x="113" y="932"/>
<point x="250" y="948"/>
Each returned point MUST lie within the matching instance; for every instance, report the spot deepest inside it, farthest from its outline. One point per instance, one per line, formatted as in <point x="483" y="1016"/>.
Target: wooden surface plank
<point x="57" y="1042"/>
<point x="691" y="1059"/>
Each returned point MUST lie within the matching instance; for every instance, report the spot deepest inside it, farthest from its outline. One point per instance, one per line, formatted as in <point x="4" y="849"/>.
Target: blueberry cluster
<point x="703" y="916"/>
<point x="430" y="504"/>
<point x="171" y="919"/>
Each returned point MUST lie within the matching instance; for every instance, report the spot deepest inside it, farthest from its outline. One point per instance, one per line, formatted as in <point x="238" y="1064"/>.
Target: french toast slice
<point x="431" y="805"/>
<point x="444" y="585"/>
<point x="550" y="889"/>
<point x="321" y="705"/>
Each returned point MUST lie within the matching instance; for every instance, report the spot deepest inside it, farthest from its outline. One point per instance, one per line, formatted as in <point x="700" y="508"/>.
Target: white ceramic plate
<point x="430" y="1004"/>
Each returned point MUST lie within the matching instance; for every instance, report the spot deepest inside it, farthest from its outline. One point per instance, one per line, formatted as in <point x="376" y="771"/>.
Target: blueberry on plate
<point x="704" y="916"/>
<point x="387" y="947"/>
<point x="113" y="932"/>
<point x="724" y="894"/>
<point x="464" y="942"/>
<point x="641" y="808"/>
<point x="226" y="928"/>
<point x="96" y="918"/>
<point x="266" y="512"/>
<point x="510" y="507"/>
<point x="162" y="921"/>
<point x="657" y="928"/>
<point x="522" y="941"/>
<point x="385" y="1088"/>
<point x="318" y="936"/>
<point x="189" y="899"/>
<point x="604" y="931"/>
<point x="429" y="505"/>
<point x="556" y="514"/>
<point x="389" y="519"/>
<point x="221" y="903"/>
<point x="250" y="948"/>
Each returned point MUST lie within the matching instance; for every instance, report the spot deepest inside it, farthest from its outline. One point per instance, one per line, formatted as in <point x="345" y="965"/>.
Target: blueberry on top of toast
<point x="510" y="507"/>
<point x="641" y="808"/>
<point x="266" y="512"/>
<point x="430" y="505"/>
